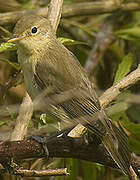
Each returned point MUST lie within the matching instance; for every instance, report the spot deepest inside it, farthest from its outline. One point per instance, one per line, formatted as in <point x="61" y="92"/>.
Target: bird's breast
<point x="28" y="67"/>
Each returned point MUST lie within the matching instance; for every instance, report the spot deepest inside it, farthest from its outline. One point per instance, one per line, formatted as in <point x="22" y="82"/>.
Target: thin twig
<point x="41" y="173"/>
<point x="134" y="176"/>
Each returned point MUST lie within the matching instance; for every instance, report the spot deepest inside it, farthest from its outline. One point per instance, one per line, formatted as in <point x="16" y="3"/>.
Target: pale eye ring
<point x="34" y="30"/>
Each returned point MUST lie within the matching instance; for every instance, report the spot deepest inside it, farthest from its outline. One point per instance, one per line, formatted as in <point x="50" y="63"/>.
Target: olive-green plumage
<point x="48" y="65"/>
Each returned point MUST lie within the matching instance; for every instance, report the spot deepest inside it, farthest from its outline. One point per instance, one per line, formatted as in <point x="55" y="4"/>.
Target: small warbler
<point x="49" y="66"/>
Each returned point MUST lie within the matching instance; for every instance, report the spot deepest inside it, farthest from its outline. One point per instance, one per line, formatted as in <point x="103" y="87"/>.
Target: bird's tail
<point x="114" y="141"/>
<point x="117" y="147"/>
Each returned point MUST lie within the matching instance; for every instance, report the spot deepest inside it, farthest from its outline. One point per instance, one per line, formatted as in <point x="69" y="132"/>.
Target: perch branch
<point x="78" y="9"/>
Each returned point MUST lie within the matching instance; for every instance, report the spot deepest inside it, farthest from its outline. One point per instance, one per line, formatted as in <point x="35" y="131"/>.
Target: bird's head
<point x="31" y="31"/>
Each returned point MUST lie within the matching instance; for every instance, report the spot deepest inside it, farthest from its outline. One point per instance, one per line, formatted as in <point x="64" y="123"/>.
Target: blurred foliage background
<point x="115" y="57"/>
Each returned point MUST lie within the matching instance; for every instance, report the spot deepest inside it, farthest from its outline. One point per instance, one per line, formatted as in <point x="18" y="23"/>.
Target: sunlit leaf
<point x="124" y="67"/>
<point x="67" y="41"/>
<point x="7" y="46"/>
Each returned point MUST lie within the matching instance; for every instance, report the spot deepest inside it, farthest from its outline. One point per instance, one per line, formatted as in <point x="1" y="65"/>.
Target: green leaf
<point x="124" y="67"/>
<point x="7" y="46"/>
<point x="117" y="108"/>
<point x="72" y="165"/>
<point x="67" y="41"/>
<point x="129" y="38"/>
<point x="117" y="51"/>
<point x="92" y="170"/>
<point x="134" y="145"/>
<point x="133" y="128"/>
<point x="134" y="111"/>
<point x="67" y="2"/>
<point x="130" y="32"/>
<point x="2" y="122"/>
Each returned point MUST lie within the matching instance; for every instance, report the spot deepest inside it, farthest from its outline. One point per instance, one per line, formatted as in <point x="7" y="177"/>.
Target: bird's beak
<point x="15" y="39"/>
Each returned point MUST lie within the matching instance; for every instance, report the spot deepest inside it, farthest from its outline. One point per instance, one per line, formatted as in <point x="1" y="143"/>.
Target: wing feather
<point x="62" y="76"/>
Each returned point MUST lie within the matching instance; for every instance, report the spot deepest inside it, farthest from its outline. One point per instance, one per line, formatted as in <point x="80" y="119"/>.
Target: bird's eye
<point x="34" y="30"/>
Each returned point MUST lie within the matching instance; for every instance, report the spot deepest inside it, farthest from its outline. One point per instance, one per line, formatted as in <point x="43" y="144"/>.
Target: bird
<point x="48" y="66"/>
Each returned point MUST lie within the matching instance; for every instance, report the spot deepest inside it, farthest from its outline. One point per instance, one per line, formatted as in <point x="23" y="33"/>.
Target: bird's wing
<point x="79" y="102"/>
<point x="83" y="107"/>
<point x="115" y="142"/>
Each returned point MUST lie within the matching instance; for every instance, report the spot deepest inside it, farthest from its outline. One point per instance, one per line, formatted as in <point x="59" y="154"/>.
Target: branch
<point x="98" y="7"/>
<point x="54" y="13"/>
<point x="78" y="9"/>
<point x="110" y="94"/>
<point x="64" y="147"/>
<point x="23" y="119"/>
